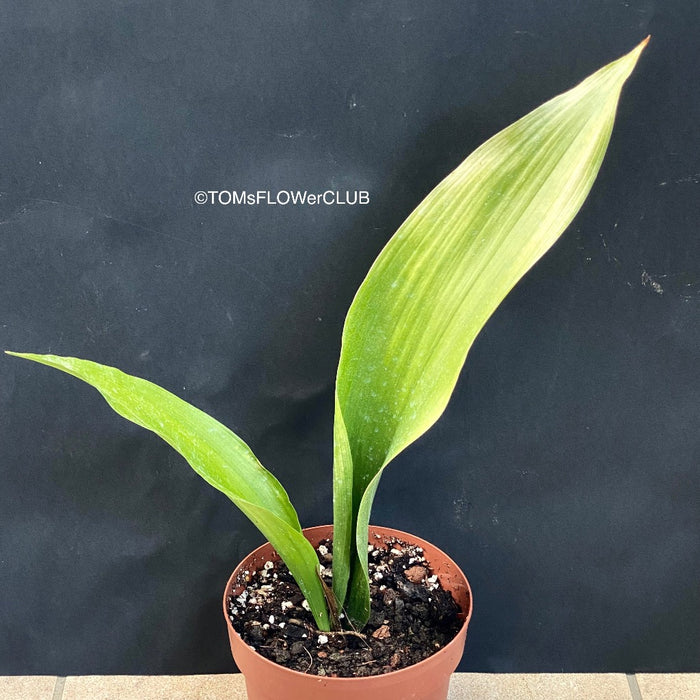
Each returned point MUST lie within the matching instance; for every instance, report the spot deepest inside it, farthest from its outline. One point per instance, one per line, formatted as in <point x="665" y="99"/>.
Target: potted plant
<point x="405" y="339"/>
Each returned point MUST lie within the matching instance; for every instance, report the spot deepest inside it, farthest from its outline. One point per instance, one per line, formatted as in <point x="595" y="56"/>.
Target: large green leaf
<point x="438" y="280"/>
<point x="219" y="456"/>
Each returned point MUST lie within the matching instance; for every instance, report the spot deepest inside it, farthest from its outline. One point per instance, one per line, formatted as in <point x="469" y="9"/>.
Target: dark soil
<point x="412" y="616"/>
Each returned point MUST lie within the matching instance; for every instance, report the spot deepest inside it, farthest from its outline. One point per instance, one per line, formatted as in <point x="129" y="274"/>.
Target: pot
<point x="426" y="680"/>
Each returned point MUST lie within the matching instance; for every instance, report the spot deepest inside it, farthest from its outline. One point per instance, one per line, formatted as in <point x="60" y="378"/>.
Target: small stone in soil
<point x="382" y="632"/>
<point x="416" y="574"/>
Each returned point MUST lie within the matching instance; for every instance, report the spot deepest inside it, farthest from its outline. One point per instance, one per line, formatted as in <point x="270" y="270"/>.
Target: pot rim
<point x="373" y="529"/>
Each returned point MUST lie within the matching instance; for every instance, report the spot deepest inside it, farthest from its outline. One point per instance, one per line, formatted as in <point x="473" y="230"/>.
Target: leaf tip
<point x="637" y="50"/>
<point x="23" y="355"/>
<point x="622" y="68"/>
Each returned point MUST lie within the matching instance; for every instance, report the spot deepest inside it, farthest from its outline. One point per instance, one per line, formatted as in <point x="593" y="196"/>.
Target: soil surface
<point x="412" y="616"/>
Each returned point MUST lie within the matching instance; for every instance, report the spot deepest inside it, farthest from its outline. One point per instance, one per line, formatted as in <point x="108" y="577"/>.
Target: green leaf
<point x="219" y="456"/>
<point x="438" y="280"/>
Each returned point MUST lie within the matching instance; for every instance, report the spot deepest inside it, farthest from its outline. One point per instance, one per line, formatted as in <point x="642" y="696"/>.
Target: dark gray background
<point x="564" y="474"/>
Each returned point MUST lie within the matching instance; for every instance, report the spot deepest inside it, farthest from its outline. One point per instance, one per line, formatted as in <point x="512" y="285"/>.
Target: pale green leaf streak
<point x="218" y="455"/>
<point x="342" y="505"/>
<point x="438" y="280"/>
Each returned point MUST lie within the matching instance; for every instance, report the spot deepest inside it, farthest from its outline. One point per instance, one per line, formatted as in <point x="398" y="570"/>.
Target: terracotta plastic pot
<point x="427" y="680"/>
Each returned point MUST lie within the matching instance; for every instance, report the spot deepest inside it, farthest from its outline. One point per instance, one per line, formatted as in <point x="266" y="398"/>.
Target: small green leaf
<point x="219" y="456"/>
<point x="438" y="280"/>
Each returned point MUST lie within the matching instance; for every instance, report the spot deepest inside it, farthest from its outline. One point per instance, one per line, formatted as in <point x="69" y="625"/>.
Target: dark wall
<point x="563" y="476"/>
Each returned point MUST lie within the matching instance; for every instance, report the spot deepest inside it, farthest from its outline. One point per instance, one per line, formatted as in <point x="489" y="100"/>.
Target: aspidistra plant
<point x="407" y="332"/>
